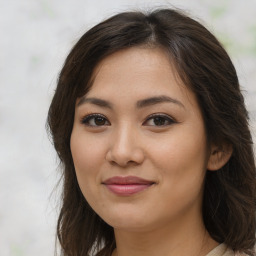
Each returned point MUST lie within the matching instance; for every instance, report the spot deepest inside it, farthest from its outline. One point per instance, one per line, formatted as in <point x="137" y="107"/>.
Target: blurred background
<point x="35" y="37"/>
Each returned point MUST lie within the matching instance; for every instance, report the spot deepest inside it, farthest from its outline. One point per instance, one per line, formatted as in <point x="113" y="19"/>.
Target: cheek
<point x="181" y="162"/>
<point x="179" y="149"/>
<point x="182" y="159"/>
<point x="87" y="158"/>
<point x="86" y="152"/>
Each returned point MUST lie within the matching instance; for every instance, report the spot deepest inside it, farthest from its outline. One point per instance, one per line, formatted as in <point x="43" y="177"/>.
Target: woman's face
<point x="139" y="143"/>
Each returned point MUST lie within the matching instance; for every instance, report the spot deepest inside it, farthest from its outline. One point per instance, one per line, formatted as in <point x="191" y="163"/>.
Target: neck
<point x="186" y="238"/>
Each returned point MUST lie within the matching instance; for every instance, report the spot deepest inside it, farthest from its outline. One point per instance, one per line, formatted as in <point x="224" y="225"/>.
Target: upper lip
<point x="127" y="180"/>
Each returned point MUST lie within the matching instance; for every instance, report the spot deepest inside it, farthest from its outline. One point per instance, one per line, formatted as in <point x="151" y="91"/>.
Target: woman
<point x="152" y="133"/>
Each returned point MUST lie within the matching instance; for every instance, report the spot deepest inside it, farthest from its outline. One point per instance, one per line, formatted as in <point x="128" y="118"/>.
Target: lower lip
<point x="127" y="189"/>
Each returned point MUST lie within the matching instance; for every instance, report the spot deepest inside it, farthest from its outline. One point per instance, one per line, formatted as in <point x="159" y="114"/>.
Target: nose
<point x="125" y="148"/>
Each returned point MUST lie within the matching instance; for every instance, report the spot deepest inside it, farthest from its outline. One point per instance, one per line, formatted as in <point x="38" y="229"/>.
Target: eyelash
<point x="85" y="120"/>
<point x="167" y="118"/>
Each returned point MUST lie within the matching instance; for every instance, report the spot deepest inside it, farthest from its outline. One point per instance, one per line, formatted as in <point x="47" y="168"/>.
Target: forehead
<point x="136" y="73"/>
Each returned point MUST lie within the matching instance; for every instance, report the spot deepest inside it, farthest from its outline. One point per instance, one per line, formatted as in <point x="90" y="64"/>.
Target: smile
<point x="126" y="186"/>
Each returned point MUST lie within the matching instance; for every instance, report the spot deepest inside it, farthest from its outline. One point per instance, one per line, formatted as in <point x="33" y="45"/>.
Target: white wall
<point x="35" y="36"/>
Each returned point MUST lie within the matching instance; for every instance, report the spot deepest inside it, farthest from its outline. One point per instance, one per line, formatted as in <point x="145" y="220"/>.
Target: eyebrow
<point x="156" y="100"/>
<point x="95" y="101"/>
<point x="139" y="104"/>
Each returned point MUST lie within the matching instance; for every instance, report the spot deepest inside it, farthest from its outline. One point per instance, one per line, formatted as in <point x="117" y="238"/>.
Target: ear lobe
<point x="219" y="157"/>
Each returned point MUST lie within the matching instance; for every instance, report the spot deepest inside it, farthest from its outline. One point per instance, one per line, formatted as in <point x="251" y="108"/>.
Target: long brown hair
<point x="205" y="67"/>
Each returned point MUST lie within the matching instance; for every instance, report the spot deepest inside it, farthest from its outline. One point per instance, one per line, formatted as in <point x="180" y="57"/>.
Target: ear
<point x="219" y="157"/>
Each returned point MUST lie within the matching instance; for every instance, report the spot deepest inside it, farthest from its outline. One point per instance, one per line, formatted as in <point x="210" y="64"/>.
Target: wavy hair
<point x="204" y="67"/>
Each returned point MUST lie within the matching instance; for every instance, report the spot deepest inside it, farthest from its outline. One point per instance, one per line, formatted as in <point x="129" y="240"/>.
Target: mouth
<point x="127" y="186"/>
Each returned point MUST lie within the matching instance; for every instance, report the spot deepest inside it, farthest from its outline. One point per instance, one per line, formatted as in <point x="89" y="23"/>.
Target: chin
<point x="128" y="222"/>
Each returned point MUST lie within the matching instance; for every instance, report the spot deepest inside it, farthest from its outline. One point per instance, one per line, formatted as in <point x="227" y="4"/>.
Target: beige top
<point x="223" y="250"/>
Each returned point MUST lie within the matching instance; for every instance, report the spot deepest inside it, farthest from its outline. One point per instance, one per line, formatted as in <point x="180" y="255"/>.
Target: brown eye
<point x="99" y="120"/>
<point x="95" y="120"/>
<point x="159" y="120"/>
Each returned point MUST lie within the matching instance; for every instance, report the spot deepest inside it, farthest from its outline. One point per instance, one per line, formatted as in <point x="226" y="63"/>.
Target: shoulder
<point x="230" y="252"/>
<point x="240" y="254"/>
<point x="224" y="250"/>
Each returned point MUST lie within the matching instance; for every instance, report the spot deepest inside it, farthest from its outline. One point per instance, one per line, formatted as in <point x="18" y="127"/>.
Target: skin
<point x="166" y="218"/>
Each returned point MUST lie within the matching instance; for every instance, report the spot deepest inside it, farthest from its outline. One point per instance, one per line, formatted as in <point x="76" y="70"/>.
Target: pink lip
<point x="129" y="185"/>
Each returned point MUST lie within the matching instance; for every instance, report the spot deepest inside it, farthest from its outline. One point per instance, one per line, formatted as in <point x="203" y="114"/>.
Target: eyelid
<point x="88" y="117"/>
<point x="167" y="117"/>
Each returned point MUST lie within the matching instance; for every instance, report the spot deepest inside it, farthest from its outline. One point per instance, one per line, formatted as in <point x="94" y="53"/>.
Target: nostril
<point x="124" y="156"/>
